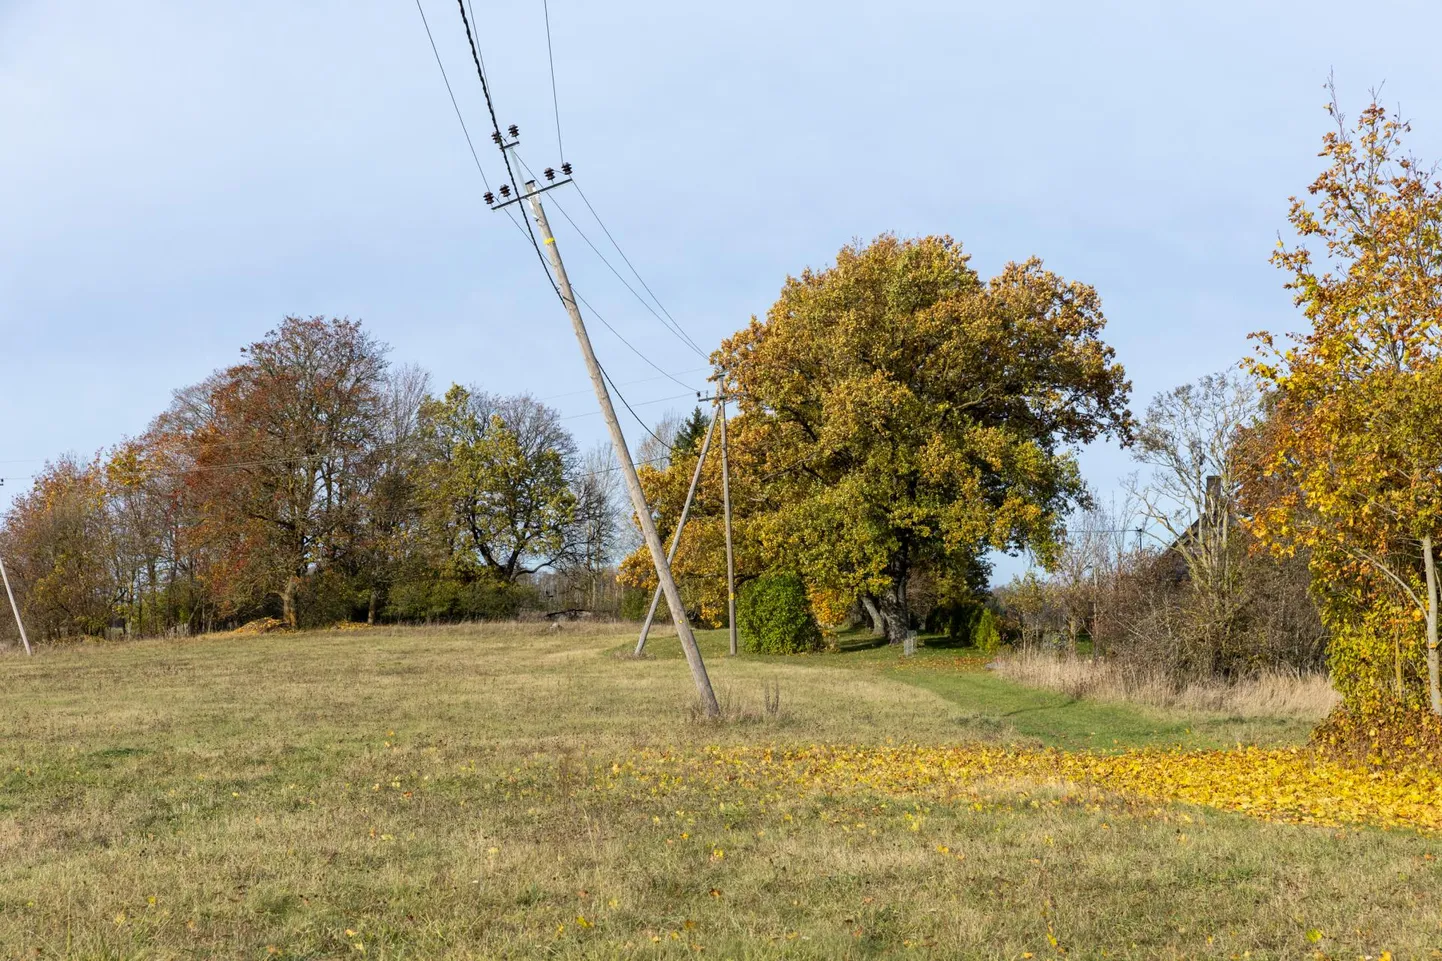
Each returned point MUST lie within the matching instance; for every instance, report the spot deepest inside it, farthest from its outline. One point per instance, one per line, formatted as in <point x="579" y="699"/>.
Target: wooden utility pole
<point x="726" y="502"/>
<point x="623" y="454"/>
<point x="15" y="608"/>
<point x="676" y="537"/>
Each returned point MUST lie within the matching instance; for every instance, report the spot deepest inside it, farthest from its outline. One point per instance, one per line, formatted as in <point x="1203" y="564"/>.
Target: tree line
<point x="899" y="417"/>
<point x="316" y="482"/>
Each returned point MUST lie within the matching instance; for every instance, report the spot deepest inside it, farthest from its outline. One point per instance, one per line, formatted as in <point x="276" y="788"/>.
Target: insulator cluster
<point x="514" y="131"/>
<point x="489" y="197"/>
<point x="497" y="138"/>
<point x="505" y="190"/>
<point x="566" y="168"/>
<point x="550" y="173"/>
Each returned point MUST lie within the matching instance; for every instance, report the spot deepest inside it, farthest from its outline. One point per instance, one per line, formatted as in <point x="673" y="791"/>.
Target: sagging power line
<point x="560" y="282"/>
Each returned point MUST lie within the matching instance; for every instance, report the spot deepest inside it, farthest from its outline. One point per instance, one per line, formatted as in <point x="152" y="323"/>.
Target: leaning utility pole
<point x="623" y="454"/>
<point x="676" y="537"/>
<point x="726" y="503"/>
<point x="15" y="608"/>
<point x="531" y="193"/>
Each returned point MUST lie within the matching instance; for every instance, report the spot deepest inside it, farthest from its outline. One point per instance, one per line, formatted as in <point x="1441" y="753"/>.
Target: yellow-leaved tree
<point x="900" y="413"/>
<point x="1349" y="463"/>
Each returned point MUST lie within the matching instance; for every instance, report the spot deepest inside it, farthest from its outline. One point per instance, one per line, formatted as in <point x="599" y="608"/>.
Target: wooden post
<point x="676" y="537"/>
<point x="709" y="704"/>
<point x="15" y="608"/>
<point x="726" y="502"/>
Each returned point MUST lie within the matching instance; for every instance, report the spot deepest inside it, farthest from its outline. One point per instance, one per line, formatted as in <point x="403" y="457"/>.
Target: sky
<point x="175" y="178"/>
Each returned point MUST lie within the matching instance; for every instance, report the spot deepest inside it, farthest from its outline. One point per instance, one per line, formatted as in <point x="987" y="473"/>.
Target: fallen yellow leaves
<point x="1289" y="785"/>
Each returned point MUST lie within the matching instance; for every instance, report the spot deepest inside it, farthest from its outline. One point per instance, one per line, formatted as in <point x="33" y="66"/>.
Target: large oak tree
<point x="905" y="413"/>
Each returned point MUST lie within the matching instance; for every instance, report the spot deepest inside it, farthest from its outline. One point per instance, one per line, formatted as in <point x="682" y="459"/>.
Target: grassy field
<point x="513" y="792"/>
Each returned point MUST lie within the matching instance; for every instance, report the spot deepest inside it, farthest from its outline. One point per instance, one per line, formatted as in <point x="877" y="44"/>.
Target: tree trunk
<point x="878" y="626"/>
<point x="895" y="617"/>
<point x="1397" y="660"/>
<point x="1434" y="688"/>
<point x="287" y="601"/>
<point x="374" y="603"/>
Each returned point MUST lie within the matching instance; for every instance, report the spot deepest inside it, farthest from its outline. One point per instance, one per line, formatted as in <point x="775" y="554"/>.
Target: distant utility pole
<point x="676" y="537"/>
<point x="15" y="608"/>
<point x="726" y="502"/>
<point x="618" y="441"/>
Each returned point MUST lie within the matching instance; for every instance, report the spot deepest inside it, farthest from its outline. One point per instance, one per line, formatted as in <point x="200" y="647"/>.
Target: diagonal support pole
<point x="676" y="537"/>
<point x="15" y="608"/>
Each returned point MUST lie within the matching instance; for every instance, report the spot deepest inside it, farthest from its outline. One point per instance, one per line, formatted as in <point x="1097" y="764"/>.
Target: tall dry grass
<point x="1269" y="694"/>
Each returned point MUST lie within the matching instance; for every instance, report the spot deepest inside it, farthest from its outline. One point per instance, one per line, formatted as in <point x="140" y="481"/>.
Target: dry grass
<point x="1270" y="695"/>
<point x="458" y="793"/>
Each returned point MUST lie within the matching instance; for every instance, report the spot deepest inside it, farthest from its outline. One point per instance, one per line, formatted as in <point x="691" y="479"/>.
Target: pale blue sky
<point x="175" y="177"/>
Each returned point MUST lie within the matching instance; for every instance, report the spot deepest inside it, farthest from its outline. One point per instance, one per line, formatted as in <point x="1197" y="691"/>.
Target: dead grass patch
<point x="1271" y="694"/>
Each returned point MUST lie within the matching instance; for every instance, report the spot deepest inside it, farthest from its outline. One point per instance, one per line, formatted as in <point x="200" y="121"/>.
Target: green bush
<point x="447" y="599"/>
<point x="327" y="598"/>
<point x="986" y="635"/>
<point x="956" y="619"/>
<point x="635" y="603"/>
<point x="773" y="616"/>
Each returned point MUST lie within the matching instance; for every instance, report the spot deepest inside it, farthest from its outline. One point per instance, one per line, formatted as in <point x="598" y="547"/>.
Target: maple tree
<point x="1349" y="463"/>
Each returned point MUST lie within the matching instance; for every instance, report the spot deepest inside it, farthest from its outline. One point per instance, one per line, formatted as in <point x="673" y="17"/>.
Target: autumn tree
<point x="282" y="455"/>
<point x="700" y="563"/>
<point x="1353" y="468"/>
<point x="495" y="489"/>
<point x="391" y="530"/>
<point x="1187" y="442"/>
<point x="907" y="413"/>
<point x="58" y="544"/>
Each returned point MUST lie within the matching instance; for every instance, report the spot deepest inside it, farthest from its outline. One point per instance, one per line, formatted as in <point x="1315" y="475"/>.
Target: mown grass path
<point x="990" y="706"/>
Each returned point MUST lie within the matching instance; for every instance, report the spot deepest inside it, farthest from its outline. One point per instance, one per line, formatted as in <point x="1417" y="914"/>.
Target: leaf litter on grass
<point x="1290" y="785"/>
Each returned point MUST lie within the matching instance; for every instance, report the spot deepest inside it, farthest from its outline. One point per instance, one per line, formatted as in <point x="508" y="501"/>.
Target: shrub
<point x="1386" y="734"/>
<point x="773" y="616"/>
<point x="635" y="603"/>
<point x="328" y="598"/>
<point x="446" y="599"/>
<point x="986" y="634"/>
<point x="956" y="619"/>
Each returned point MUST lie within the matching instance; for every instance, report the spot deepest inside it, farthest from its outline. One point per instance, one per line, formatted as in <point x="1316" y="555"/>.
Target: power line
<point x="496" y="135"/>
<point x="457" y="106"/>
<point x="629" y="383"/>
<point x="669" y="448"/>
<point x="670" y="325"/>
<point x="555" y="102"/>
<point x="480" y="72"/>
<point x="641" y="403"/>
<point x="623" y="340"/>
<point x="548" y="397"/>
<point x="582" y="194"/>
<point x="281" y="462"/>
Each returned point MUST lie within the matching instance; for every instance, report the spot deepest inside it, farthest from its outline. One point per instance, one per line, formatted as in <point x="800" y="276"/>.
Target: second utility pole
<point x="726" y="502"/>
<point x="628" y="469"/>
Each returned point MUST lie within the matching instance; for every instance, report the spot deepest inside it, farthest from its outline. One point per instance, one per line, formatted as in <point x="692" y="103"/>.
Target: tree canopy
<point x="899" y="413"/>
<point x="1349" y="464"/>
